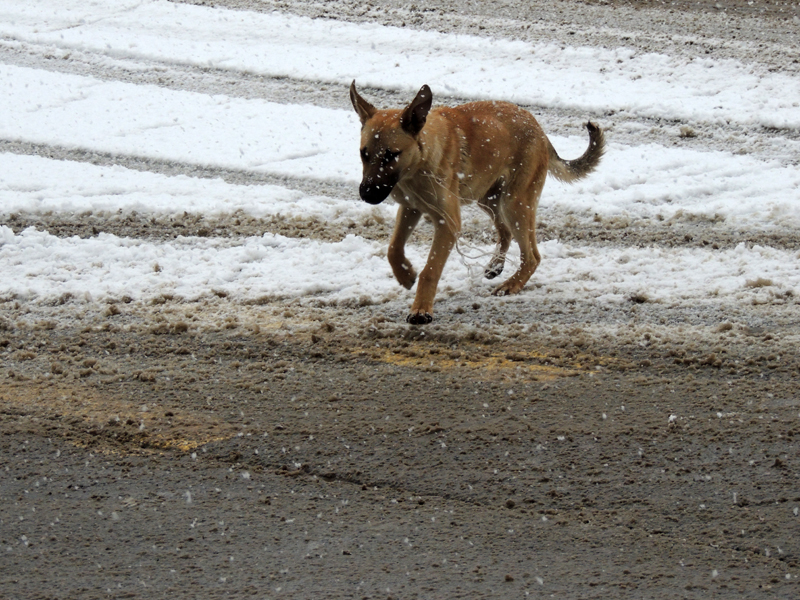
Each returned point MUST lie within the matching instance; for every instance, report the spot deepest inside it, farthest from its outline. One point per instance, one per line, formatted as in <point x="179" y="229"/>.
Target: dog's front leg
<point x="446" y="229"/>
<point x="407" y="219"/>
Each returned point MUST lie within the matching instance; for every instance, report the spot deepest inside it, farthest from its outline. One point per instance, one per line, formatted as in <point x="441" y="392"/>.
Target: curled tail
<point x="571" y="170"/>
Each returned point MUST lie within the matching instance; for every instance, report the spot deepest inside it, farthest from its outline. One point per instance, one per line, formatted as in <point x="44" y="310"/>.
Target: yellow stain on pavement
<point x="530" y="364"/>
<point x="110" y="423"/>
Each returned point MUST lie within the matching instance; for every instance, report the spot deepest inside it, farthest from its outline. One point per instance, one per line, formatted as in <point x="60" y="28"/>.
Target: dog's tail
<point x="571" y="170"/>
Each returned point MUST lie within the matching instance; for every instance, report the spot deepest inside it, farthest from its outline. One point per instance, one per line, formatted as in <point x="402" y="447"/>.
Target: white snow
<point x="320" y="144"/>
<point x="35" y="185"/>
<point x="42" y="267"/>
<point x="38" y="265"/>
<point x="283" y="45"/>
<point x="153" y="122"/>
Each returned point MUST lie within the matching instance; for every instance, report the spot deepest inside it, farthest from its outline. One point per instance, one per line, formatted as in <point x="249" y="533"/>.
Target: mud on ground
<point x="214" y="450"/>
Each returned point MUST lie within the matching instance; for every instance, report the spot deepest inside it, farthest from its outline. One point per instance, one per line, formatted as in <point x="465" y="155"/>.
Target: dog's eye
<point x="389" y="156"/>
<point x="364" y="155"/>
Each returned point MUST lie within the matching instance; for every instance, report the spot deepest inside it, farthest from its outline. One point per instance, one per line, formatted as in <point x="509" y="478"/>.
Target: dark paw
<point x="409" y="284"/>
<point x="419" y="318"/>
<point x="492" y="272"/>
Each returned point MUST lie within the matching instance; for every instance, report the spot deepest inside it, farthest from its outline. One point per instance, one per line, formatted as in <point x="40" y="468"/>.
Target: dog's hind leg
<point x="491" y="203"/>
<point x="519" y="214"/>
<point x="498" y="261"/>
<point x="407" y="219"/>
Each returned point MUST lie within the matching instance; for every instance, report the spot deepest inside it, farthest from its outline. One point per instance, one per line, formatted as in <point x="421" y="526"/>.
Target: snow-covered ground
<point x="636" y="181"/>
<point x="40" y="266"/>
<point x="278" y="45"/>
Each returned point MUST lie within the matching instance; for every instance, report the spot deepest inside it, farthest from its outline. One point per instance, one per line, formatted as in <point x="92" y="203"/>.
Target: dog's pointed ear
<point x="413" y="118"/>
<point x="364" y="109"/>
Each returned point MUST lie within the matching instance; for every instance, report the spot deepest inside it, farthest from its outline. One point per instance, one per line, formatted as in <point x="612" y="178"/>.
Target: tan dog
<point x="430" y="161"/>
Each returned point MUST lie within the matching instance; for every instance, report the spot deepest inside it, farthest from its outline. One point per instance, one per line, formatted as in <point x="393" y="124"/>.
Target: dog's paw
<point x="507" y="289"/>
<point x="495" y="266"/>
<point x="406" y="276"/>
<point x="492" y="271"/>
<point x="408" y="282"/>
<point x="419" y="318"/>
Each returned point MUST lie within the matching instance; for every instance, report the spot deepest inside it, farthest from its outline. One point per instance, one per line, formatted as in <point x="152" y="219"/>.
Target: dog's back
<point x="496" y="140"/>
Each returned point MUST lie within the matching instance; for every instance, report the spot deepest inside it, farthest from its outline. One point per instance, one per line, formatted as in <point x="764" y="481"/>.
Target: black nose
<point x="374" y="193"/>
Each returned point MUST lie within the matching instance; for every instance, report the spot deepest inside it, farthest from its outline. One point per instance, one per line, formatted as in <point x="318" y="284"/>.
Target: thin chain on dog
<point x="452" y="226"/>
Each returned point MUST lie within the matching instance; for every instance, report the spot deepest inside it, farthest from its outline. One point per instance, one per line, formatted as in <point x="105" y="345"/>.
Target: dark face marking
<point x="375" y="193"/>
<point x="381" y="173"/>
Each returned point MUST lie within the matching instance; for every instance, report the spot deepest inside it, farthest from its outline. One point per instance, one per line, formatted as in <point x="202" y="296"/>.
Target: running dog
<point x="431" y="161"/>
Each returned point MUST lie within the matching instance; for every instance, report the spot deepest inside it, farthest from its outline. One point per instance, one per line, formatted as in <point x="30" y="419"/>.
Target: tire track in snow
<point x="83" y="215"/>
<point x="173" y="168"/>
<point x="760" y="32"/>
<point x="237" y="83"/>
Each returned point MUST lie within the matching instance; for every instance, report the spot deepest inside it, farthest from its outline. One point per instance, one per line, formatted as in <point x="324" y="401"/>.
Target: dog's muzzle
<point x="374" y="193"/>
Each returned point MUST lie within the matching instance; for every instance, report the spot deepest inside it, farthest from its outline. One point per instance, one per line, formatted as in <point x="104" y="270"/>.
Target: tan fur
<point x="430" y="161"/>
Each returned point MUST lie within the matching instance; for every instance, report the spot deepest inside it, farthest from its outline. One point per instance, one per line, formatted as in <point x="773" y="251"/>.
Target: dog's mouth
<point x="375" y="193"/>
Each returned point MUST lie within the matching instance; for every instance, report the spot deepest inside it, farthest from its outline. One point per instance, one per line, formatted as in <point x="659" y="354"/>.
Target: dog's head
<point x="389" y="142"/>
